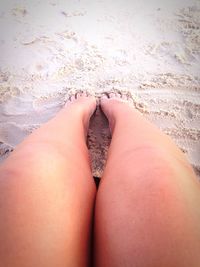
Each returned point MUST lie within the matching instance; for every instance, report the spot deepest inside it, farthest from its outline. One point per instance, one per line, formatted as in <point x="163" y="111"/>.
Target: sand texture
<point x="147" y="49"/>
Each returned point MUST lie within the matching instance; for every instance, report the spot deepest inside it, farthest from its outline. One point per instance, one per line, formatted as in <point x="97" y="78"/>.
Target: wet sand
<point x="147" y="49"/>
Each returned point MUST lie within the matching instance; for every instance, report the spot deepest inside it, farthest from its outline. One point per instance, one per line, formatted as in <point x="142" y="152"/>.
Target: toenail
<point x="112" y="95"/>
<point x="105" y="96"/>
<point x="79" y="94"/>
<point x="119" y="94"/>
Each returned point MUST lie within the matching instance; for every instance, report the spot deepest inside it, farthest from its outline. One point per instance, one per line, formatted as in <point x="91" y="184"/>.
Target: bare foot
<point x="114" y="104"/>
<point x="83" y="104"/>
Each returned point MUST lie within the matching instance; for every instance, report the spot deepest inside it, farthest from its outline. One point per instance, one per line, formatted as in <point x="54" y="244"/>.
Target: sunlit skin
<point x="147" y="208"/>
<point x="145" y="212"/>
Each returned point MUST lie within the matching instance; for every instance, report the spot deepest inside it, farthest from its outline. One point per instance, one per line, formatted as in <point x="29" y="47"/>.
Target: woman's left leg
<point x="47" y="194"/>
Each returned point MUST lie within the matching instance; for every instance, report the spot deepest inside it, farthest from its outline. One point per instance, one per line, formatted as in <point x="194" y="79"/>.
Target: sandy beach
<point x="148" y="49"/>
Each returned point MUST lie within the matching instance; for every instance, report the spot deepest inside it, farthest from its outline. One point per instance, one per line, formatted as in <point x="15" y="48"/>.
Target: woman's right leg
<point x="148" y="204"/>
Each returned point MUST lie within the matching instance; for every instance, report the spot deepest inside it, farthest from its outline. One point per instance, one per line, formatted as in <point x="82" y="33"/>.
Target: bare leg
<point x="148" y="205"/>
<point x="47" y="194"/>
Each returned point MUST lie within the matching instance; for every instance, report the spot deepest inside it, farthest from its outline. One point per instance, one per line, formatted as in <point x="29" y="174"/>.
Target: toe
<point x="119" y="95"/>
<point x="85" y="94"/>
<point x="124" y="97"/>
<point x="112" y="95"/>
<point x="72" y="98"/>
<point x="78" y="94"/>
<point x="105" y="96"/>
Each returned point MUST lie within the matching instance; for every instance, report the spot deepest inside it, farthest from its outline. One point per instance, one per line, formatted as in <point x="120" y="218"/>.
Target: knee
<point x="155" y="161"/>
<point x="36" y="163"/>
<point x="148" y="174"/>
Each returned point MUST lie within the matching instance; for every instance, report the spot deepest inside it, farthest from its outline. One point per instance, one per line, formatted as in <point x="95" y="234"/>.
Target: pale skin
<point x="145" y="213"/>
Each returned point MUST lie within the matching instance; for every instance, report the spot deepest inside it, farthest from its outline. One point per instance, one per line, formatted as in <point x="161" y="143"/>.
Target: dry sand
<point x="150" y="49"/>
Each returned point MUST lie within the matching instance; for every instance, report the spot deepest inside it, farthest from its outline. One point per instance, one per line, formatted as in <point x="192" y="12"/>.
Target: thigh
<point x="46" y="208"/>
<point x="147" y="212"/>
<point x="47" y="195"/>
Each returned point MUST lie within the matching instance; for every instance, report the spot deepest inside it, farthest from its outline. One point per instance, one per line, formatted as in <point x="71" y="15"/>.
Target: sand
<point x="146" y="48"/>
